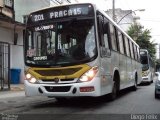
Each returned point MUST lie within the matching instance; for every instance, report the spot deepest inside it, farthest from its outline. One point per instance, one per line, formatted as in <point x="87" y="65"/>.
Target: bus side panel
<point x="129" y="70"/>
<point x="139" y="73"/>
<point x="114" y="62"/>
<point x="106" y="82"/>
<point x="133" y="72"/>
<point x="122" y="71"/>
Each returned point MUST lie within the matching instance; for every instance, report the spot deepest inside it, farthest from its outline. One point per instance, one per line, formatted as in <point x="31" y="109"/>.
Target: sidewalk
<point x="17" y="87"/>
<point x="17" y="90"/>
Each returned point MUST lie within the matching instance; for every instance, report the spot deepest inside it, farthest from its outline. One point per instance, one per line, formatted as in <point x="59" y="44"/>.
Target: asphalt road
<point x="129" y="103"/>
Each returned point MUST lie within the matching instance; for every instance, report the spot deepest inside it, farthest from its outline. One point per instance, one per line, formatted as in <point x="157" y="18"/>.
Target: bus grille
<point x="58" y="72"/>
<point x="53" y="80"/>
<point x="57" y="88"/>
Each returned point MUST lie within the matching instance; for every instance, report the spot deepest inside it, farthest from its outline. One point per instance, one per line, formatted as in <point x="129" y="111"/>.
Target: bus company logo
<point x="56" y="80"/>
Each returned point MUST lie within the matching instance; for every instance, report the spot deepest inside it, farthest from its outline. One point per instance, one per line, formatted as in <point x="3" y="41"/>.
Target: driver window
<point x="103" y="30"/>
<point x="106" y="33"/>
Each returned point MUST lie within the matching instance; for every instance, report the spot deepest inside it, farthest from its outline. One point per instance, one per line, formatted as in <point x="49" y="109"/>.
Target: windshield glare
<point x="61" y="43"/>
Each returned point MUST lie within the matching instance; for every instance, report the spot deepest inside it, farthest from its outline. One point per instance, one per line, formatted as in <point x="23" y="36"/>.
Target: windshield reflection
<point x="61" y="43"/>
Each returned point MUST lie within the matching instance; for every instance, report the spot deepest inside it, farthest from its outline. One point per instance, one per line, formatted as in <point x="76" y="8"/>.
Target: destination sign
<point x="62" y="11"/>
<point x="44" y="27"/>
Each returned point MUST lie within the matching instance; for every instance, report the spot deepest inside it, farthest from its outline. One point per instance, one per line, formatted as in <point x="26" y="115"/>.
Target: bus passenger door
<point x="105" y="53"/>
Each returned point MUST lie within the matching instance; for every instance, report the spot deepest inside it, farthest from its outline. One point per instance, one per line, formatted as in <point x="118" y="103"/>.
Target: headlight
<point x="30" y="78"/>
<point x="89" y="75"/>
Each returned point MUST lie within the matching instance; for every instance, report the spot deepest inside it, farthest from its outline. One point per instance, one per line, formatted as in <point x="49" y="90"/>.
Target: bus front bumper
<point x="145" y="79"/>
<point x="63" y="90"/>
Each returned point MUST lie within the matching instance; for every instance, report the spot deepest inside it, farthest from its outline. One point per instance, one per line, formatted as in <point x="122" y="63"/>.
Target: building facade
<point x="8" y="41"/>
<point x="24" y="7"/>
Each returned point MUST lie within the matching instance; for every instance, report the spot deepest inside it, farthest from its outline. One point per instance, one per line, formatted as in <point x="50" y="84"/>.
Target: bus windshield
<point x="60" y="43"/>
<point x="144" y="62"/>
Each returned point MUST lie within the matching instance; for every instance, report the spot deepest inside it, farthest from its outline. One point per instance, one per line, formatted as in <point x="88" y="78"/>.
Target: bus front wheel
<point x="134" y="87"/>
<point x="114" y="91"/>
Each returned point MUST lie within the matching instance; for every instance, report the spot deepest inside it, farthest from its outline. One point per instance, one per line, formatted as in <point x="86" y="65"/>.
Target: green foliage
<point x="143" y="38"/>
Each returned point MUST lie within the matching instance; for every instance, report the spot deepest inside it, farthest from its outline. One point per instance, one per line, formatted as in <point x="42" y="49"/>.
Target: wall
<point x="17" y="58"/>
<point x="24" y="7"/>
<point x="6" y="35"/>
<point x="16" y="51"/>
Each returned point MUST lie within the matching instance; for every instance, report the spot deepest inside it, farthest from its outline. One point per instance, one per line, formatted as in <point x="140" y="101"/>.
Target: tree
<point x="143" y="38"/>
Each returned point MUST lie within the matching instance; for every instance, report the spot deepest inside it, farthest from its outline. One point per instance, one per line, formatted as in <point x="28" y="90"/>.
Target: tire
<point x="134" y="88"/>
<point x="156" y="95"/>
<point x="114" y="93"/>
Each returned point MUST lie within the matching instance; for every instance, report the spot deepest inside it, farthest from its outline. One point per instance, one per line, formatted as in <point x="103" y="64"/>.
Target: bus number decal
<point x="38" y="17"/>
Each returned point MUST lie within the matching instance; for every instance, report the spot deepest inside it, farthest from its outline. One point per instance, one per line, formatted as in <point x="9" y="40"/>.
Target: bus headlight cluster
<point x="89" y="75"/>
<point x="30" y="78"/>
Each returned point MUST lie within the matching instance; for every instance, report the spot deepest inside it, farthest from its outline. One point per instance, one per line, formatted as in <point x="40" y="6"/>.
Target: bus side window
<point x="134" y="54"/>
<point x="138" y="54"/>
<point x="127" y="46"/>
<point x="135" y="51"/>
<point x="121" y="46"/>
<point x="104" y="36"/>
<point x="100" y="35"/>
<point x="113" y="37"/>
<point x="117" y="38"/>
<point x="131" y="49"/>
<point x="106" y="33"/>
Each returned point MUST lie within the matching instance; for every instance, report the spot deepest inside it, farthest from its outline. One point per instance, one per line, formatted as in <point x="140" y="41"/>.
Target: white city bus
<point x="77" y="50"/>
<point x="148" y="66"/>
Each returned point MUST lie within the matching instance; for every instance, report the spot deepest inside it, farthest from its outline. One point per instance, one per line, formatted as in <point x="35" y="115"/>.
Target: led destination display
<point x="62" y="12"/>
